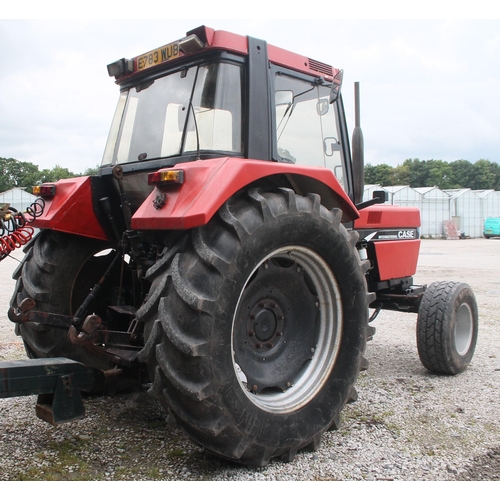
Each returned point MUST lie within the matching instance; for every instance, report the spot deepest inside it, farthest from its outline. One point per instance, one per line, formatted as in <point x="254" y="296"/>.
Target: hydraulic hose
<point x="15" y="226"/>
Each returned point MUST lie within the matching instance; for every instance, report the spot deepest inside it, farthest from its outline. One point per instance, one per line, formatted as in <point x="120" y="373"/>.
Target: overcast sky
<point x="429" y="88"/>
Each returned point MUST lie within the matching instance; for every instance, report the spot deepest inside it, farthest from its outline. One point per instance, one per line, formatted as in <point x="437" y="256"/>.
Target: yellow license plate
<point x="158" y="56"/>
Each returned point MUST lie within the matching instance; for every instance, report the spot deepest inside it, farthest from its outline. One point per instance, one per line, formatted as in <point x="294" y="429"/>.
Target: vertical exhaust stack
<point x="358" y="156"/>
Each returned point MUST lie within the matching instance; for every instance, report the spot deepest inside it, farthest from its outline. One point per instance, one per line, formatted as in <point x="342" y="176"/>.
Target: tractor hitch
<point x="57" y="381"/>
<point x="119" y="347"/>
<point x="25" y="313"/>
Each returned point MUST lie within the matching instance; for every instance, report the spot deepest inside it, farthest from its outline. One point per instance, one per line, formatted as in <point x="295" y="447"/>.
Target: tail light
<point x="45" y="190"/>
<point x="166" y="177"/>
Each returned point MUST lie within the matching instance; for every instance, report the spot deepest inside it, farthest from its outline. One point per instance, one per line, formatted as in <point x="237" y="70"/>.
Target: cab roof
<point x="207" y="39"/>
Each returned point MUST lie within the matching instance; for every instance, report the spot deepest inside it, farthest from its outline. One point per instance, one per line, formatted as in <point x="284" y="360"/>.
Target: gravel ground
<point x="407" y="425"/>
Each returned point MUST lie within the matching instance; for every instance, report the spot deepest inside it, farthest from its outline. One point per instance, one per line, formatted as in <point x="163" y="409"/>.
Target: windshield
<point x="195" y="109"/>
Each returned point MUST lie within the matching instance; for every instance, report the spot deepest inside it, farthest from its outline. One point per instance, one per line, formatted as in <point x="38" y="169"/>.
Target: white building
<point x="465" y="210"/>
<point x="403" y="196"/>
<point x="490" y="203"/>
<point x="434" y="209"/>
<point x="469" y="209"/>
<point x="17" y="198"/>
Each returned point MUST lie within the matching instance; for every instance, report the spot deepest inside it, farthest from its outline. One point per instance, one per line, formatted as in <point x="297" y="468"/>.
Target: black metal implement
<point x="57" y="381"/>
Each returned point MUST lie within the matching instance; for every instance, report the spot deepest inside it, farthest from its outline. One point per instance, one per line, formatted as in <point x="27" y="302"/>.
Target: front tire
<point x="255" y="333"/>
<point x="447" y="327"/>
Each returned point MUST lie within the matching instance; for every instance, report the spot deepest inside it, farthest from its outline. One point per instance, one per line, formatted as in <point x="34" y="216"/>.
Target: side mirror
<point x="377" y="197"/>
<point x="382" y="196"/>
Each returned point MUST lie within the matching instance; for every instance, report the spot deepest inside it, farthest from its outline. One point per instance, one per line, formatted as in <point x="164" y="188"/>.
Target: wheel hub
<point x="463" y="329"/>
<point x="275" y="329"/>
<point x="265" y="324"/>
<point x="286" y="329"/>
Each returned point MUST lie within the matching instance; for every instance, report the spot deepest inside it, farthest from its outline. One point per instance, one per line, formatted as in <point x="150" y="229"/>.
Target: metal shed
<point x="434" y="209"/>
<point x="465" y="210"/>
<point x="490" y="203"/>
<point x="17" y="198"/>
<point x="468" y="208"/>
<point x="404" y="196"/>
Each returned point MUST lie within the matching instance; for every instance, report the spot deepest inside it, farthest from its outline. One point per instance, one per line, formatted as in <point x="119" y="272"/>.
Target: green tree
<point x="460" y="171"/>
<point x="495" y="170"/>
<point x="92" y="171"/>
<point x="483" y="174"/>
<point x="402" y="175"/>
<point x="15" y="173"/>
<point x="55" y="174"/>
<point x="382" y="174"/>
<point x="426" y="173"/>
<point x="418" y="172"/>
<point x="440" y="175"/>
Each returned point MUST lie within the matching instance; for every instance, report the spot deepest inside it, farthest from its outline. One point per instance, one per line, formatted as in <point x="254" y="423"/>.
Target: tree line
<point x="483" y="174"/>
<point x="22" y="174"/>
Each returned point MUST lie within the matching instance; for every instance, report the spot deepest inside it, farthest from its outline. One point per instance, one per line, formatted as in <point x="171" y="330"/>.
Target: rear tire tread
<point x="181" y="363"/>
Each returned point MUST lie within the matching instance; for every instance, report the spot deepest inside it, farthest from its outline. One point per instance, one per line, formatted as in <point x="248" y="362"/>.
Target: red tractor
<point x="224" y="255"/>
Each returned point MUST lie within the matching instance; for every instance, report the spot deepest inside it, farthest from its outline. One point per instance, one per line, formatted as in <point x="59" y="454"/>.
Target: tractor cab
<point x="212" y="95"/>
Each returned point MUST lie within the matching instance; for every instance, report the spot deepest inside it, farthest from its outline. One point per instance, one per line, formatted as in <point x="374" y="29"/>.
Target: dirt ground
<point x="476" y="262"/>
<point x="451" y="423"/>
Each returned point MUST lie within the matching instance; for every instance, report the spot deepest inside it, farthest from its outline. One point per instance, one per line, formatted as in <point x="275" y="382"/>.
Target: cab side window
<point x="306" y="125"/>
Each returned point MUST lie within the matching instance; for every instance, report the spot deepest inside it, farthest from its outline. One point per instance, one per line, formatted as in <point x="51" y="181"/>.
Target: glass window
<point x="195" y="108"/>
<point x="216" y="117"/>
<point x="107" y="158"/>
<point x="306" y="125"/>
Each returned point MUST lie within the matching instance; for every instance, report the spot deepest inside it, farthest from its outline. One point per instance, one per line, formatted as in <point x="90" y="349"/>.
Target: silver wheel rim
<point x="310" y="378"/>
<point x="463" y="329"/>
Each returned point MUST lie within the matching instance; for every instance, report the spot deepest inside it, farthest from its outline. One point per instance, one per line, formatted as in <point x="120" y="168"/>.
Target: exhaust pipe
<point x="358" y="156"/>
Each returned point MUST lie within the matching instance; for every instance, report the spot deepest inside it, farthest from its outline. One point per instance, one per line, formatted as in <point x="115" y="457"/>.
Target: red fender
<point x="71" y="210"/>
<point x="209" y="183"/>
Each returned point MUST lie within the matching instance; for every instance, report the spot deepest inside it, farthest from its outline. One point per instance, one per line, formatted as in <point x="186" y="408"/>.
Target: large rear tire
<point x="255" y="333"/>
<point x="447" y="327"/>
